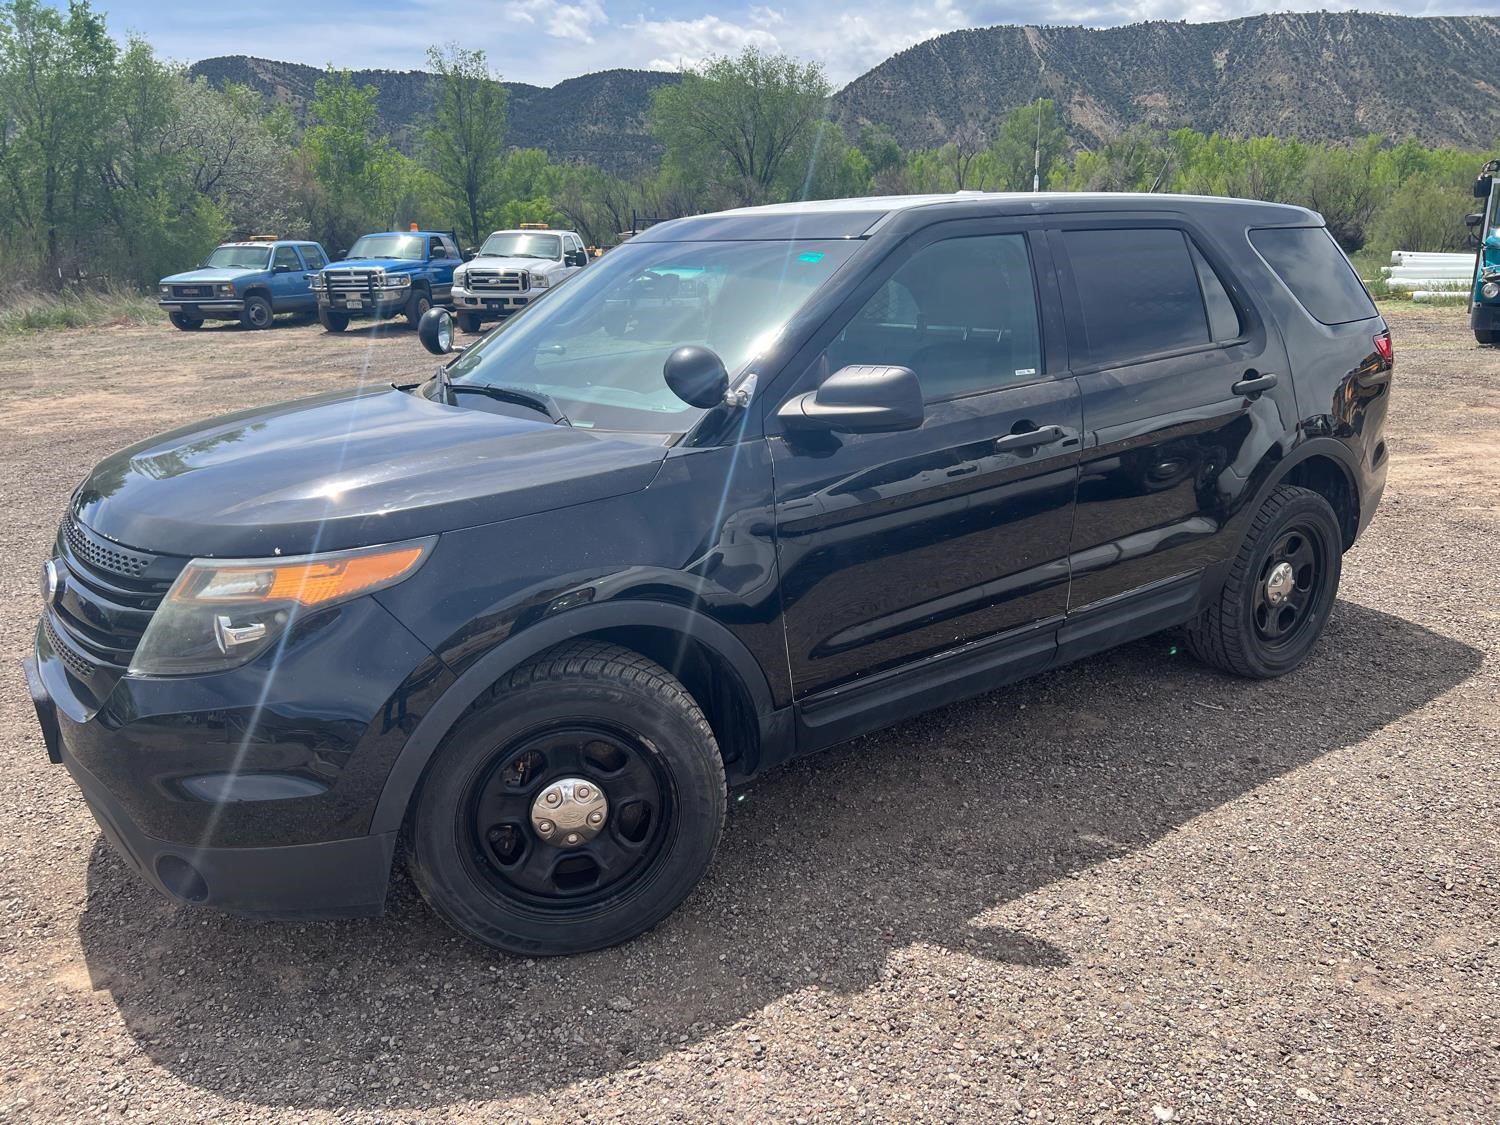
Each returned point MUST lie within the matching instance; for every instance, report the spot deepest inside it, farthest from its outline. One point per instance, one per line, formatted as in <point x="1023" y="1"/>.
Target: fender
<point x="424" y="741"/>
<point x="1332" y="448"/>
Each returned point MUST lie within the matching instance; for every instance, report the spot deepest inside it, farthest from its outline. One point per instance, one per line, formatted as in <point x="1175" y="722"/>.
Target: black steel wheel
<point x="1280" y="590"/>
<point x="573" y="808"/>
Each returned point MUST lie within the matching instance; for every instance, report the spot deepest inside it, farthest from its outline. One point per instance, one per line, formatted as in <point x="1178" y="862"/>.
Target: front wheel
<point x="185" y="322"/>
<point x="416" y="307"/>
<point x="333" y="321"/>
<point x="573" y="809"/>
<point x="469" y="322"/>
<point x="256" y="313"/>
<point x="1280" y="590"/>
<point x="1487" y="336"/>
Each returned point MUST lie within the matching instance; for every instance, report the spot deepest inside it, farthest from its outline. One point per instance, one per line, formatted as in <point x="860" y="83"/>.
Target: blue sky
<point x="543" y="41"/>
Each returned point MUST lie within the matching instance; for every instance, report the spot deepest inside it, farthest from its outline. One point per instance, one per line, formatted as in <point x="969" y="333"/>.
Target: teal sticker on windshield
<point x="810" y="256"/>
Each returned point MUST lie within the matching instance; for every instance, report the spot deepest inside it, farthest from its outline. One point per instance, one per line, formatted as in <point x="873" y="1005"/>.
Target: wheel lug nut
<point x="583" y="792"/>
<point x="553" y="798"/>
<point x="544" y="827"/>
<point x="572" y="837"/>
<point x="596" y="817"/>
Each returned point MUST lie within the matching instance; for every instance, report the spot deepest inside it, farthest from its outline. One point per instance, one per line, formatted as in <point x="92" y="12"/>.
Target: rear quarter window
<point x="1313" y="267"/>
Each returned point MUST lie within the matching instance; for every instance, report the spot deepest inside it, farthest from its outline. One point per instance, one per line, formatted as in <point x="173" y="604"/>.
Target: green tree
<point x="350" y="169"/>
<point x="465" y="144"/>
<point x="745" y="124"/>
<point x="1019" y="141"/>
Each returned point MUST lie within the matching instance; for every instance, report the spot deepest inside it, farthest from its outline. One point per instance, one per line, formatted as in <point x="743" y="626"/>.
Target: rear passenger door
<point x="898" y="546"/>
<point x="1184" y="387"/>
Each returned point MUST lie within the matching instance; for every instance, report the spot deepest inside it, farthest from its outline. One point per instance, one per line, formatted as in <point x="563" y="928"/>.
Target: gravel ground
<point x="1129" y="890"/>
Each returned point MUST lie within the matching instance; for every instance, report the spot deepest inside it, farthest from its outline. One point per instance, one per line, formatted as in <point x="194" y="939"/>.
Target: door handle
<point x="1252" y="384"/>
<point x="1029" y="439"/>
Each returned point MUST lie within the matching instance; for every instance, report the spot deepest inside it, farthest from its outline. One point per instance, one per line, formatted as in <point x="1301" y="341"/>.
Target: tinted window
<point x="1223" y="318"/>
<point x="1138" y="291"/>
<point x="960" y="313"/>
<point x="1316" y="271"/>
<point x="313" y="257"/>
<point x="286" y="258"/>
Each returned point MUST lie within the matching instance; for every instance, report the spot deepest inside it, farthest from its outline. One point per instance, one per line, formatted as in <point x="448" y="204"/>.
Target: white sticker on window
<point x="1022" y="372"/>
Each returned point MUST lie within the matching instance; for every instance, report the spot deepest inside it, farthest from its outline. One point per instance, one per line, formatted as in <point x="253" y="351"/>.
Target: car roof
<point x="861" y="217"/>
<point x="273" y="242"/>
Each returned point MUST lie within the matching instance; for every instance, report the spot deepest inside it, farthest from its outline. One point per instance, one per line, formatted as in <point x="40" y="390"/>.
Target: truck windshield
<point x="509" y="244"/>
<point x="404" y="247"/>
<point x="240" y="258"/>
<point x="597" y="345"/>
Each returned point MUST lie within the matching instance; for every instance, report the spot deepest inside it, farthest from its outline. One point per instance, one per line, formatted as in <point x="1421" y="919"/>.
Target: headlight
<point x="395" y="281"/>
<point x="221" y="613"/>
<point x="539" y="281"/>
<point x="1490" y="289"/>
<point x="459" y="277"/>
<point x="319" y="281"/>
<point x="164" y="290"/>
<point x="227" y="290"/>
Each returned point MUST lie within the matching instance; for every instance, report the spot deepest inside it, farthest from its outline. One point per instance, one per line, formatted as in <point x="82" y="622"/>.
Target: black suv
<point x="854" y="460"/>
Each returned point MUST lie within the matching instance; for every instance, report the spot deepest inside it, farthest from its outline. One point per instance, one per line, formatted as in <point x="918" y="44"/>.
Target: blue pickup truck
<point x="247" y="281"/>
<point x="386" y="275"/>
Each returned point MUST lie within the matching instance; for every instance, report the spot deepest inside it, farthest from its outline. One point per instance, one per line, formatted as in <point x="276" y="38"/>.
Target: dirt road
<point x="1129" y="890"/>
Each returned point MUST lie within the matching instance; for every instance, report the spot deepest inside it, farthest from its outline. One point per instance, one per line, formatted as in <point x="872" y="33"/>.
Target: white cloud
<point x="573" y="22"/>
<point x="678" y="44"/>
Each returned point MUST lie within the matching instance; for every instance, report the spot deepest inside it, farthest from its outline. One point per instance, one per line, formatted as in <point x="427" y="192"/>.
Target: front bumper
<point x="372" y="302"/>
<point x="492" y="305"/>
<point x="207" y="309"/>
<point x="1484" y="318"/>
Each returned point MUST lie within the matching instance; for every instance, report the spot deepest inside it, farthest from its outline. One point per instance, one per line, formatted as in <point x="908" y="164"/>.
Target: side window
<point x="451" y="246"/>
<point x="1138" y="291"/>
<point x="313" y="257"/>
<point x="438" y="250"/>
<point x="286" y="259"/>
<point x="961" y="313"/>
<point x="1223" y="317"/>
<point x="1316" y="271"/>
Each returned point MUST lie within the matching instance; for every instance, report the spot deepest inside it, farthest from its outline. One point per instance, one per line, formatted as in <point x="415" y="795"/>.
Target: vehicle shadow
<point x="828" y="867"/>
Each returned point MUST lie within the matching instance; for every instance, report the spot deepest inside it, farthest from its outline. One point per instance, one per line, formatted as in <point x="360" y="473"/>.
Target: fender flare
<point x="406" y="772"/>
<point x="1335" y="450"/>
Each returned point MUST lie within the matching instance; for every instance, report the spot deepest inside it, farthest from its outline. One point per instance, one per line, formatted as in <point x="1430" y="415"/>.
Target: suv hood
<point x="390" y="265"/>
<point x="348" y="470"/>
<point x="206" y="276"/>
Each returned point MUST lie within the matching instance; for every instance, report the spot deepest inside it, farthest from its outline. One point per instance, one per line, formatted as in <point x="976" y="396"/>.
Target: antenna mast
<point x="1036" y="158"/>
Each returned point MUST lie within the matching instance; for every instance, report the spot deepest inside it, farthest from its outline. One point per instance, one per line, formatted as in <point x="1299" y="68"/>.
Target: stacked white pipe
<point x="1429" y="275"/>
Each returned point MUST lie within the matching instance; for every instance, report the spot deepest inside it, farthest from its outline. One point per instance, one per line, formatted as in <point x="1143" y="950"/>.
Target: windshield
<point x="240" y="258"/>
<point x="510" y="244"/>
<point x="406" y="247"/>
<point x="598" y="345"/>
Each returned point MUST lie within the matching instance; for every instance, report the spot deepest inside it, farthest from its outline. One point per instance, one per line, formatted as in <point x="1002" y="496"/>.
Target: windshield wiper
<point x="534" y="400"/>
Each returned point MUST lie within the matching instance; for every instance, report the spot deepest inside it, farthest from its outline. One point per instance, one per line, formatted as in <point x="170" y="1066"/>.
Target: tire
<point x="333" y="321"/>
<point x="185" y="322"/>
<point x="615" y="722"/>
<point x="416" y="306"/>
<point x="470" y="323"/>
<point x="1487" y="336"/>
<point x="1261" y="627"/>
<point x="257" y="312"/>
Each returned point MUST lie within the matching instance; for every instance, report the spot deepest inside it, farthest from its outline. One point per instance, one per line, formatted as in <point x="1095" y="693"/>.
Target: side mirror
<point x="578" y="258"/>
<point x="281" y="267"/>
<point x="1473" y="220"/>
<point x="859" y="399"/>
<point x="435" y="330"/>
<point x="697" y="376"/>
<point x="1482" y="187"/>
<point x="470" y="253"/>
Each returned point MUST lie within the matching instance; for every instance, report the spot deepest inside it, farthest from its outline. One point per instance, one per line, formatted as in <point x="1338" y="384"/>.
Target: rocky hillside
<point x="1320" y="76"/>
<point x="595" y="118"/>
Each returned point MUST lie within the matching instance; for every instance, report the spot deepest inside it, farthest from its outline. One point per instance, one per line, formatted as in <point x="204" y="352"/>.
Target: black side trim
<point x="850" y="710"/>
<point x="1136" y="613"/>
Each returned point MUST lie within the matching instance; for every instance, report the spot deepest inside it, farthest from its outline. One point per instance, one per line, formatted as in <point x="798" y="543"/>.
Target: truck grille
<point x="351" y="281"/>
<point x="498" y="281"/>
<point x="192" y="290"/>
<point x="107" y="596"/>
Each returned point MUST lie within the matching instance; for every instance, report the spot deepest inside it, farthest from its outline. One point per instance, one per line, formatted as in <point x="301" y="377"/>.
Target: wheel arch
<point x="259" y="289"/>
<point x="1325" y="466"/>
<point x="714" y="665"/>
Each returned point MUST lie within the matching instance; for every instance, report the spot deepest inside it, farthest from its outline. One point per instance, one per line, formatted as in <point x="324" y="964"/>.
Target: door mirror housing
<point x="578" y="258"/>
<point x="1473" y="220"/>
<point x="435" y="330"/>
<point x="697" y="376"/>
<point x="1482" y="187"/>
<point x="282" y="267"/>
<point x="859" y="399"/>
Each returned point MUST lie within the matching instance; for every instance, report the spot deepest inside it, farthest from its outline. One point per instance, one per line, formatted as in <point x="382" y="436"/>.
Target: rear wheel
<point x="185" y="322"/>
<point x="1280" y="590"/>
<point x="469" y="322"/>
<point x="573" y="809"/>
<point x="1487" y="336"/>
<point x="257" y="312"/>
<point x="333" y="321"/>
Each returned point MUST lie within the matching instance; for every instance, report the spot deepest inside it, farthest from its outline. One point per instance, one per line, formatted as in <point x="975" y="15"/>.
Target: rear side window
<point x="313" y="257"/>
<point x="1139" y="292"/>
<point x="1313" y="267"/>
<point x="1223" y="317"/>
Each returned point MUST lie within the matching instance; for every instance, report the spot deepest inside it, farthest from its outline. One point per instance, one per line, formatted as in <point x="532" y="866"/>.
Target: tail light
<point x="1383" y="345"/>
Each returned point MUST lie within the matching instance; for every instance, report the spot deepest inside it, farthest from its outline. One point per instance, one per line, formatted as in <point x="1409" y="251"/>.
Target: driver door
<point x="904" y="554"/>
<point x="289" y="281"/>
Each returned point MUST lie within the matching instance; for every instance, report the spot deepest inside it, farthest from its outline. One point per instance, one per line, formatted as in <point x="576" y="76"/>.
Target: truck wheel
<point x="416" y="306"/>
<point x="185" y="322"/>
<point x="1487" y="336"/>
<point x="469" y="322"/>
<point x="333" y="321"/>
<point x="1280" y="590"/>
<point x="257" y="312"/>
<point x="573" y="808"/>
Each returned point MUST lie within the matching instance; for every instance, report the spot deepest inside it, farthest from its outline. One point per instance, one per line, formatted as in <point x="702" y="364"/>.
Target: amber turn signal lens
<point x="317" y="582"/>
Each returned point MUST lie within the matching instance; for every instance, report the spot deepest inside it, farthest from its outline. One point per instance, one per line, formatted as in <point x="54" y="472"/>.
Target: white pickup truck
<point x="512" y="269"/>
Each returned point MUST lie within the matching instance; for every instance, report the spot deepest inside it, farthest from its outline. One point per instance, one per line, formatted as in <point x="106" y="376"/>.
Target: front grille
<point x="351" y="281"/>
<point x="498" y="281"/>
<point x="192" y="290"/>
<point x="102" y="553"/>
<point x="105" y="600"/>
